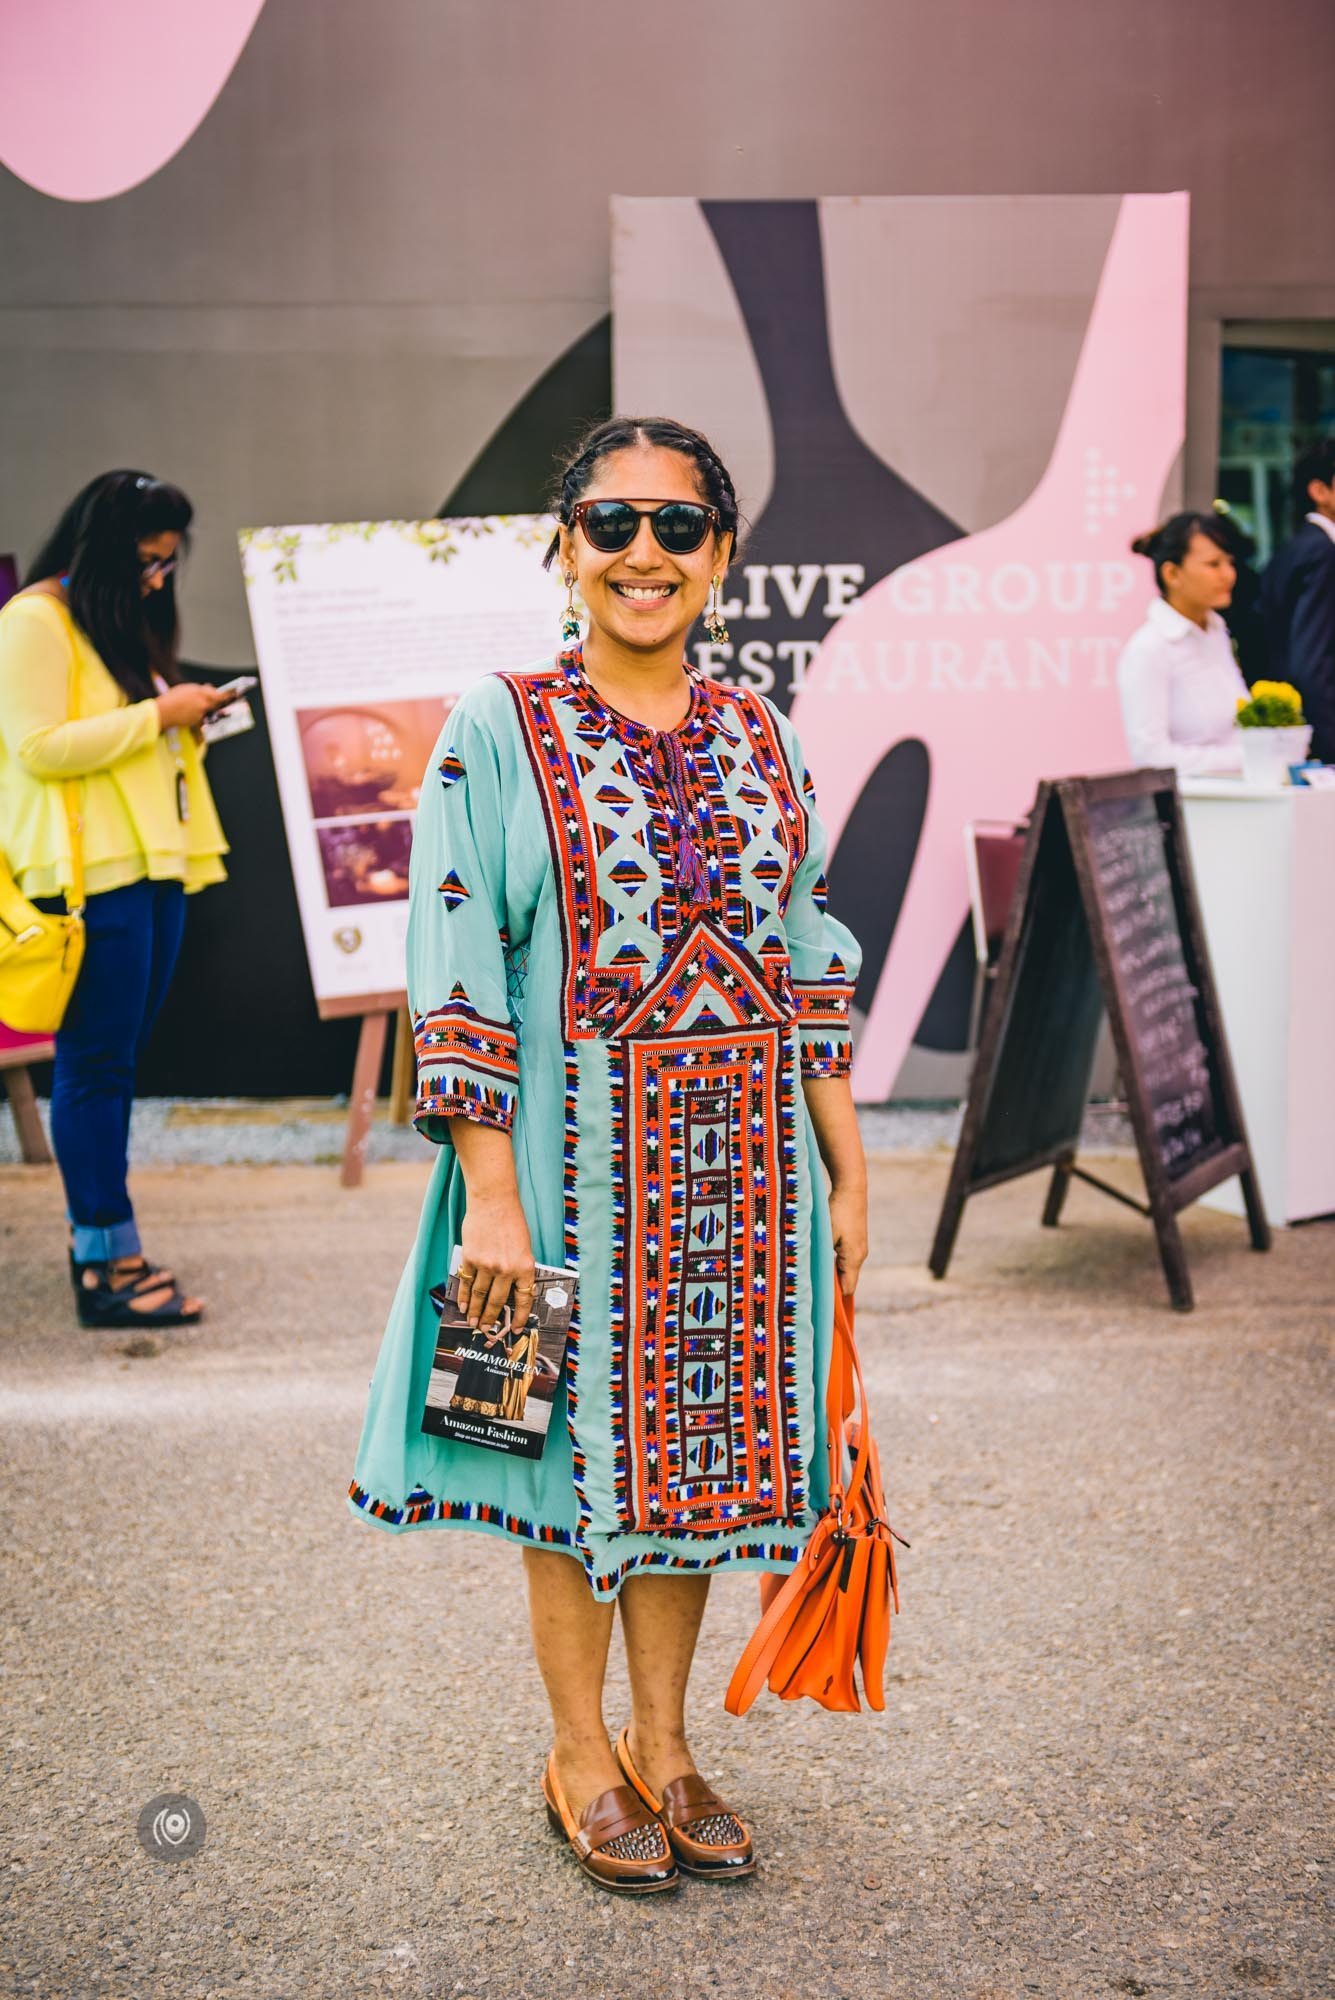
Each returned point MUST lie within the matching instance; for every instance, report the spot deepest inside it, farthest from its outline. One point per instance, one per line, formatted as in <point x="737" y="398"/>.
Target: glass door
<point x="1276" y="400"/>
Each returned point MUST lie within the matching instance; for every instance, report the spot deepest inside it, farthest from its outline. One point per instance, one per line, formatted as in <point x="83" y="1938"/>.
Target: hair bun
<point x="1144" y="544"/>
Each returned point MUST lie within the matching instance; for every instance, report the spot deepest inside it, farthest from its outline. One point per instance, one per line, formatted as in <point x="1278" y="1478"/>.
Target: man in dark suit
<point x="1298" y="597"/>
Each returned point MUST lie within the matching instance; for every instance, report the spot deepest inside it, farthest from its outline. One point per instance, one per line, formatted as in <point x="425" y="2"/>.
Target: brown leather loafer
<point x="616" y="1840"/>
<point x="706" y="1836"/>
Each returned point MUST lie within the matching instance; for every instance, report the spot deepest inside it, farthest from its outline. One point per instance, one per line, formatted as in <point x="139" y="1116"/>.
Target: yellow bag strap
<point x="75" y="898"/>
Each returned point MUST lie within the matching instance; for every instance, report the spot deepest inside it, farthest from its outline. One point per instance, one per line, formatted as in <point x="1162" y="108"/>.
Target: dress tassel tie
<point x="692" y="876"/>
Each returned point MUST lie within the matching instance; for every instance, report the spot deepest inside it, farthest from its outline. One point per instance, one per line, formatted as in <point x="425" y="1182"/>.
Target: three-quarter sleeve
<point x="824" y="956"/>
<point x="467" y="1050"/>
<point x="35" y="705"/>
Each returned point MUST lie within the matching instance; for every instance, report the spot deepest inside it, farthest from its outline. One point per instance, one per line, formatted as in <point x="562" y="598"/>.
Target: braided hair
<point x="623" y="434"/>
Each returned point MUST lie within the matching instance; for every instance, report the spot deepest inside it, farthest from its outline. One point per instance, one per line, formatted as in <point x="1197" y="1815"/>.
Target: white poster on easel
<point x="366" y="633"/>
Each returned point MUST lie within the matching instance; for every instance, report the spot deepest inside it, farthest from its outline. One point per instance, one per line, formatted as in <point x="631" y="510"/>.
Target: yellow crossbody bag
<point x="40" y="954"/>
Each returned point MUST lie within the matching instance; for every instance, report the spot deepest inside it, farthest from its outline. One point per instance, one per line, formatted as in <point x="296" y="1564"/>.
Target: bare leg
<point x="571" y="1631"/>
<point x="660" y="1619"/>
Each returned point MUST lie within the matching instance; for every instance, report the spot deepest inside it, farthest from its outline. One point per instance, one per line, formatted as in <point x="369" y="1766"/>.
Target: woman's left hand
<point x="848" y="1221"/>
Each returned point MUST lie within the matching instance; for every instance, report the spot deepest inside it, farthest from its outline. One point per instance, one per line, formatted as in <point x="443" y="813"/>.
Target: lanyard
<point x="172" y="737"/>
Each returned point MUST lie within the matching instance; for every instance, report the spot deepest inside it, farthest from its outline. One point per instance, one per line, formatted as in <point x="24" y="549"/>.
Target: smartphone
<point x="243" y="683"/>
<point x="234" y="720"/>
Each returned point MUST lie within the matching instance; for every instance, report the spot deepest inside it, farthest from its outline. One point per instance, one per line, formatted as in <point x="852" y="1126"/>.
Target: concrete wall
<point x="395" y="218"/>
<point x="394" y="222"/>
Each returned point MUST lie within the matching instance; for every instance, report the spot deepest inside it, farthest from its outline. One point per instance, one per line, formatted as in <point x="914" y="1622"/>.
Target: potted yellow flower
<point x="1274" y="734"/>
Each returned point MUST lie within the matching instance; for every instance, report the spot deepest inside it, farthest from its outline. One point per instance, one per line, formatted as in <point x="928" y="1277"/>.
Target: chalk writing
<point x="1162" y="1000"/>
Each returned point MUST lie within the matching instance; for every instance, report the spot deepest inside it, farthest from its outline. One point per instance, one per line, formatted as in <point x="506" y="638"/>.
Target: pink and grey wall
<point x="321" y="261"/>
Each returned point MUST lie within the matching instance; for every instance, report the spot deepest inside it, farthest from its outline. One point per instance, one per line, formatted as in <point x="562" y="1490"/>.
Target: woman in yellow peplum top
<point x="90" y="690"/>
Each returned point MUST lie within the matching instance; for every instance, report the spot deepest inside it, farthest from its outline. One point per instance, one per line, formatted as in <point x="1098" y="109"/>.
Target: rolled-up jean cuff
<point x="100" y="1246"/>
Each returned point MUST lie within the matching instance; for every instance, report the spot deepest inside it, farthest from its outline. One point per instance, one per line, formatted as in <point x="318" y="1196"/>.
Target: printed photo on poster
<point x="368" y="759"/>
<point x="365" y="861"/>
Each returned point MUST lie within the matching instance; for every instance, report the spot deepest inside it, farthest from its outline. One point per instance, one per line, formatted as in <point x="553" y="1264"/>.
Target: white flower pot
<point x="1267" y="753"/>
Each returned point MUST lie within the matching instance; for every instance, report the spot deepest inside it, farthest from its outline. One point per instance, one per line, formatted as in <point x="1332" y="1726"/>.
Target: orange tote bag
<point x="831" y="1615"/>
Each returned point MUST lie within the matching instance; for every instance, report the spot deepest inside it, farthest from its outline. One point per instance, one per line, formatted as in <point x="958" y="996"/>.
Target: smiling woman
<point x="618" y="934"/>
<point x="649" y="527"/>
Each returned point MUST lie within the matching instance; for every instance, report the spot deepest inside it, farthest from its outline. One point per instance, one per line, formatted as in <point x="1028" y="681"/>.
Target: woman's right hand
<point x="497" y="1260"/>
<point x="185" y="705"/>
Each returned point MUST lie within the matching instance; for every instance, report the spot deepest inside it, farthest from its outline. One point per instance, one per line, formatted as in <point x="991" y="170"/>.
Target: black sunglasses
<point x="154" y="566"/>
<point x="679" y="525"/>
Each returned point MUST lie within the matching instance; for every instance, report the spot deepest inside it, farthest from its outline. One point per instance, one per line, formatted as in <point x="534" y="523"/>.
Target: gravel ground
<point x="235" y="1132"/>
<point x="1103" y="1769"/>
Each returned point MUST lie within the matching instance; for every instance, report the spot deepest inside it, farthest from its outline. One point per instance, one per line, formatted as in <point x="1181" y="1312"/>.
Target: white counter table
<point x="1264" y="863"/>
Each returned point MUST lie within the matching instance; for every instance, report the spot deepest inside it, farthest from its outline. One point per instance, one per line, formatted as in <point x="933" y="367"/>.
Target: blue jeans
<point x="132" y="940"/>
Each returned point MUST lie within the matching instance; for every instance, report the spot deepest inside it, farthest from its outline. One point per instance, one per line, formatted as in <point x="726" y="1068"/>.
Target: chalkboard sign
<point x="1160" y="996"/>
<point x="1048" y="989"/>
<point x="1105" y="919"/>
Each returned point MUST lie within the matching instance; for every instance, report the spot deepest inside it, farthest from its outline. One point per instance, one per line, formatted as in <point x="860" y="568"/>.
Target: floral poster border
<point x="441" y="539"/>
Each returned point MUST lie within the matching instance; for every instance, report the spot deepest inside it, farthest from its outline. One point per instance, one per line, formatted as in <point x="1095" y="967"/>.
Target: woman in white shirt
<point x="1179" y="682"/>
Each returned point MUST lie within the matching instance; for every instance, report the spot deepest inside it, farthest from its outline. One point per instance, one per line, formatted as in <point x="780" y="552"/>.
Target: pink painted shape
<point x="990" y="744"/>
<point x="96" y="95"/>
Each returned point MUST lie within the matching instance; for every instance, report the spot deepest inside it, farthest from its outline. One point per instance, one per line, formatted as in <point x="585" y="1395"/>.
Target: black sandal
<point x="107" y="1304"/>
<point x="147" y="1277"/>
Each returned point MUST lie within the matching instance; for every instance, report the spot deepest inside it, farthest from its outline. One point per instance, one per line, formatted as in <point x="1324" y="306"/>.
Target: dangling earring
<point x="570" y="617"/>
<point x="714" y="624"/>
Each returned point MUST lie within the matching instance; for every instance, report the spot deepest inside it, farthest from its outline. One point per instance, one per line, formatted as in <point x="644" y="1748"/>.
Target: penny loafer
<point x="706" y="1836"/>
<point x="616" y="1839"/>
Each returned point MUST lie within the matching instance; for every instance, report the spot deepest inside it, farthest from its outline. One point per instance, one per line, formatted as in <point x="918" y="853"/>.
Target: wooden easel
<point x="14" y="1063"/>
<point x="375" y="1010"/>
<point x="1105" y="919"/>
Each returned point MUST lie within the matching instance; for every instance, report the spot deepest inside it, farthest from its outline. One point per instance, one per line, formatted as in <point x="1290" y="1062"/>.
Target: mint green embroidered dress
<point x="619" y="953"/>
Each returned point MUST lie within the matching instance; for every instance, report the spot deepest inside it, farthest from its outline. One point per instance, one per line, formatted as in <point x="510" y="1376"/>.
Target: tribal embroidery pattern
<point x="696" y="1559"/>
<point x="461" y="1097"/>
<point x="613" y="821"/>
<point x="825" y="1057"/>
<point x="559" y="779"/>
<point x="467" y="1066"/>
<point x="704" y="1260"/>
<point x="453" y="892"/>
<point x="421" y="1508"/>
<point x="825" y="1006"/>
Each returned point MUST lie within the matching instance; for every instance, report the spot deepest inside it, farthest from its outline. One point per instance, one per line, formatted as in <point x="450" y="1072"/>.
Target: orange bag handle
<point x="753" y="1668"/>
<point x="841" y="1402"/>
